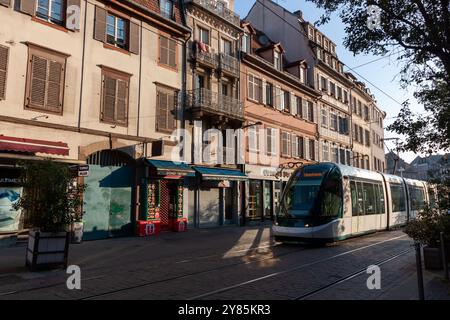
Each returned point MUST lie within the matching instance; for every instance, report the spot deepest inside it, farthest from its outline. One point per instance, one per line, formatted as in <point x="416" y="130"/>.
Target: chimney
<point x="299" y="14"/>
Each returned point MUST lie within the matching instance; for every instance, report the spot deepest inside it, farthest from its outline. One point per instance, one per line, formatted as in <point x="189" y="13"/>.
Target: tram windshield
<point x="306" y="187"/>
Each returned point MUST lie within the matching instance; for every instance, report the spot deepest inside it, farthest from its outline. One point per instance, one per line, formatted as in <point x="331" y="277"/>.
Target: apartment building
<point x="281" y="120"/>
<point x="213" y="109"/>
<point x="96" y="83"/>
<point x="377" y="129"/>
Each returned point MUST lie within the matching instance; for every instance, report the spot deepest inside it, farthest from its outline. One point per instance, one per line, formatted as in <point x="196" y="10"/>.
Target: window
<point x="285" y="144"/>
<point x="346" y="97"/>
<point x="334" y="154"/>
<point x="342" y="156"/>
<point x="45" y="80"/>
<point x="325" y="152"/>
<point x="349" y="157"/>
<point x="331" y="202"/>
<point x="253" y="138"/>
<point x="361" y="135"/>
<point x="116" y="31"/>
<point x="324" y="113"/>
<point x="166" y="8"/>
<point x="50" y="10"/>
<point x="332" y="89"/>
<point x="4" y="54"/>
<point x="417" y="197"/>
<point x="166" y="109"/>
<point x="339" y="93"/>
<point x="245" y="43"/>
<point x="167" y="52"/>
<point x="271" y="141"/>
<point x="254" y="88"/>
<point x="203" y="35"/>
<point x="294" y="139"/>
<point x="366" y="113"/>
<point x="311" y="111"/>
<point x="299" y="106"/>
<point x="287" y="101"/>
<point x="398" y="197"/>
<point x="324" y="84"/>
<point x="355" y="199"/>
<point x="359" y="109"/>
<point x="227" y="47"/>
<point x="301" y="147"/>
<point x="115" y="89"/>
<point x="369" y="198"/>
<point x="277" y="60"/>
<point x="269" y="94"/>
<point x="367" y="135"/>
<point x="333" y="121"/>
<point x="312" y="149"/>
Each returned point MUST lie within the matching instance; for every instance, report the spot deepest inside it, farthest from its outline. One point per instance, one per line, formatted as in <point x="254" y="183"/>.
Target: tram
<point x="328" y="202"/>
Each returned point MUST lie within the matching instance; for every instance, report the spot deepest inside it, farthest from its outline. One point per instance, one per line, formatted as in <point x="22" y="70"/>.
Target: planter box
<point x="432" y="258"/>
<point x="47" y="250"/>
<point x="76" y="233"/>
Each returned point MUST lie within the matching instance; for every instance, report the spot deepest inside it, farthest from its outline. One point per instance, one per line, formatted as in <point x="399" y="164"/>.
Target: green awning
<point x="168" y="168"/>
<point x="208" y="173"/>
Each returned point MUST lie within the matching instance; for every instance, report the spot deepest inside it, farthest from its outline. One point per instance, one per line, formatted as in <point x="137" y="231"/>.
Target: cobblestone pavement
<point x="226" y="263"/>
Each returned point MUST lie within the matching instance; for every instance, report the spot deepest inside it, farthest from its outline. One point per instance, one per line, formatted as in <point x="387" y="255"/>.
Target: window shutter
<point x="100" y="24"/>
<point x="172" y="53"/>
<point x="171" y="111"/>
<point x="162" y="112"/>
<point x="6" y="3"/>
<point x="293" y="103"/>
<point x="26" y="6"/>
<point x="109" y="98"/>
<point x="306" y="148"/>
<point x="264" y="91"/>
<point x="278" y="98"/>
<point x="122" y="97"/>
<point x="134" y="38"/>
<point x="305" y="109"/>
<point x="70" y="3"/>
<point x="4" y="53"/>
<point x="294" y="144"/>
<point x="54" y="86"/>
<point x="163" y="50"/>
<point x="38" y="81"/>
<point x="316" y="149"/>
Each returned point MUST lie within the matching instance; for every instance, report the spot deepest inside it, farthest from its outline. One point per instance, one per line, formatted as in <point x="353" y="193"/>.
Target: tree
<point x="419" y="31"/>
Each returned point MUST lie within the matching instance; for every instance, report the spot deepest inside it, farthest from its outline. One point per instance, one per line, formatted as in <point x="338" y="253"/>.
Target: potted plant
<point x="49" y="203"/>
<point x="426" y="230"/>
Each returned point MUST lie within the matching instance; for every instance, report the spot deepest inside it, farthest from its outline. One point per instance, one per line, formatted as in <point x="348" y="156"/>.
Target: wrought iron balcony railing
<point x="215" y="103"/>
<point x="220" y="9"/>
<point x="207" y="56"/>
<point x="229" y="64"/>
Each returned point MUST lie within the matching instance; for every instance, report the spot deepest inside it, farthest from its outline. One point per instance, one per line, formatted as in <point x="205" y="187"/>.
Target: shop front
<point x="218" y="195"/>
<point x="163" y="196"/>
<point x="11" y="220"/>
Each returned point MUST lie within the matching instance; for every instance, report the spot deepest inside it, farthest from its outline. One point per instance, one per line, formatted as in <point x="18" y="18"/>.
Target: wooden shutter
<point x="161" y="111"/>
<point x="306" y="148"/>
<point x="6" y="3"/>
<point x="38" y="81"/>
<point x="305" y="109"/>
<point x="171" y="111"/>
<point x="122" y="101"/>
<point x="26" y="6"/>
<point x="4" y="53"/>
<point x="163" y="50"/>
<point x="134" y="38"/>
<point x="109" y="98"/>
<point x="100" y="24"/>
<point x="54" y="86"/>
<point x="293" y="103"/>
<point x="76" y="3"/>
<point x="172" y="53"/>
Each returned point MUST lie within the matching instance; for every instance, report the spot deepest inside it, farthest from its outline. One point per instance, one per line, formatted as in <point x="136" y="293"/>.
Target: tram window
<point x="354" y="194"/>
<point x="382" y="202"/>
<point x="398" y="198"/>
<point x="369" y="198"/>
<point x="417" y="198"/>
<point x="376" y="193"/>
<point x="332" y="195"/>
<point x="360" y="199"/>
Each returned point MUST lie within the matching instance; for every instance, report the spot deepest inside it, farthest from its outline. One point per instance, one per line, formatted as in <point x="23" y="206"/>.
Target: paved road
<point x="227" y="263"/>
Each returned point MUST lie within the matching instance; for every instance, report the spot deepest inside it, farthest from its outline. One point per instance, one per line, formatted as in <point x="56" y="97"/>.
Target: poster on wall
<point x="9" y="218"/>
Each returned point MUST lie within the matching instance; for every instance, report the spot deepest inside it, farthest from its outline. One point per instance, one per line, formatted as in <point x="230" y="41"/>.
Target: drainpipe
<point x="184" y="76"/>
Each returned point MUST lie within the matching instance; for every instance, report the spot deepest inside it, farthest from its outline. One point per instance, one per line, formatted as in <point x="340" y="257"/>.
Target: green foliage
<point x="418" y="33"/>
<point x="50" y="200"/>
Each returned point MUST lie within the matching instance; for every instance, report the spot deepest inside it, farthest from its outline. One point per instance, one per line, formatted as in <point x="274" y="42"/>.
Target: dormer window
<point x="166" y="8"/>
<point x="277" y="60"/>
<point x="245" y="43"/>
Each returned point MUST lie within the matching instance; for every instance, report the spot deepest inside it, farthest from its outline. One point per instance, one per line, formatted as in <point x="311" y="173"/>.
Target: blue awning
<point x="208" y="173"/>
<point x="170" y="168"/>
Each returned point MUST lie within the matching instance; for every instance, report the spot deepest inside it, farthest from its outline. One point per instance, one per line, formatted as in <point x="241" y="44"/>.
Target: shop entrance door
<point x="169" y="199"/>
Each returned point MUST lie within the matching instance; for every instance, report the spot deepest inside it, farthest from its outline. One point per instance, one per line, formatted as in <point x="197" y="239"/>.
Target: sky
<point x="384" y="73"/>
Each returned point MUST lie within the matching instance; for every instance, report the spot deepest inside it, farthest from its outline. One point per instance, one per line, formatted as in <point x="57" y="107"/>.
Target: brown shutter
<point x="100" y="24"/>
<point x="171" y="111"/>
<point x="161" y="111"/>
<point x="6" y="3"/>
<point x="26" y="6"/>
<point x="122" y="101"/>
<point x="55" y="86"/>
<point x="74" y="3"/>
<point x="4" y="53"/>
<point x="172" y="53"/>
<point x="38" y="81"/>
<point x="163" y="50"/>
<point x="134" y="38"/>
<point x="109" y="98"/>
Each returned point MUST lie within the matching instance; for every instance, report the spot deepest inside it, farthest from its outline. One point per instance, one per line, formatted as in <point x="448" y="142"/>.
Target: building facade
<point x="281" y="120"/>
<point x="84" y="83"/>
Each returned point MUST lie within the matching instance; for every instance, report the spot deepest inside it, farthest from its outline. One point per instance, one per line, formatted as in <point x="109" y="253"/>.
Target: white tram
<point x="328" y="202"/>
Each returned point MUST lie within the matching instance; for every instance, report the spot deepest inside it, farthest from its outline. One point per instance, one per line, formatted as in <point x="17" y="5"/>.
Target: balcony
<point x="206" y="57"/>
<point x="229" y="65"/>
<point x="211" y="102"/>
<point x="219" y="9"/>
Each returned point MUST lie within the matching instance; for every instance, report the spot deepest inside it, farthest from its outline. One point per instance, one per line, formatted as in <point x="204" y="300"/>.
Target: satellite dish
<point x="264" y="40"/>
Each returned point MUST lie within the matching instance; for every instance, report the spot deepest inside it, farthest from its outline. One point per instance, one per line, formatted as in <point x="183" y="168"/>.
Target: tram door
<point x="357" y="207"/>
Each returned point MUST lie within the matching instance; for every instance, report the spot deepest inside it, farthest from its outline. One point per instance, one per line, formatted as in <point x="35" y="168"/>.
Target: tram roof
<point x="359" y="173"/>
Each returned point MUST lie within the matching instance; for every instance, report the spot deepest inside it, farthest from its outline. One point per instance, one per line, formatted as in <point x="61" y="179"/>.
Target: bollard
<point x="419" y="271"/>
<point x="444" y="256"/>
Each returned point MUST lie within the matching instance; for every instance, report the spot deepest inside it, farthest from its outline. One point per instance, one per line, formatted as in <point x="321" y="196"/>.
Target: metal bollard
<point x="419" y="271"/>
<point x="444" y="256"/>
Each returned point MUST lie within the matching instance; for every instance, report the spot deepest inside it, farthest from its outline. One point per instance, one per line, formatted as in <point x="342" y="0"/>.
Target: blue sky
<point x="384" y="73"/>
